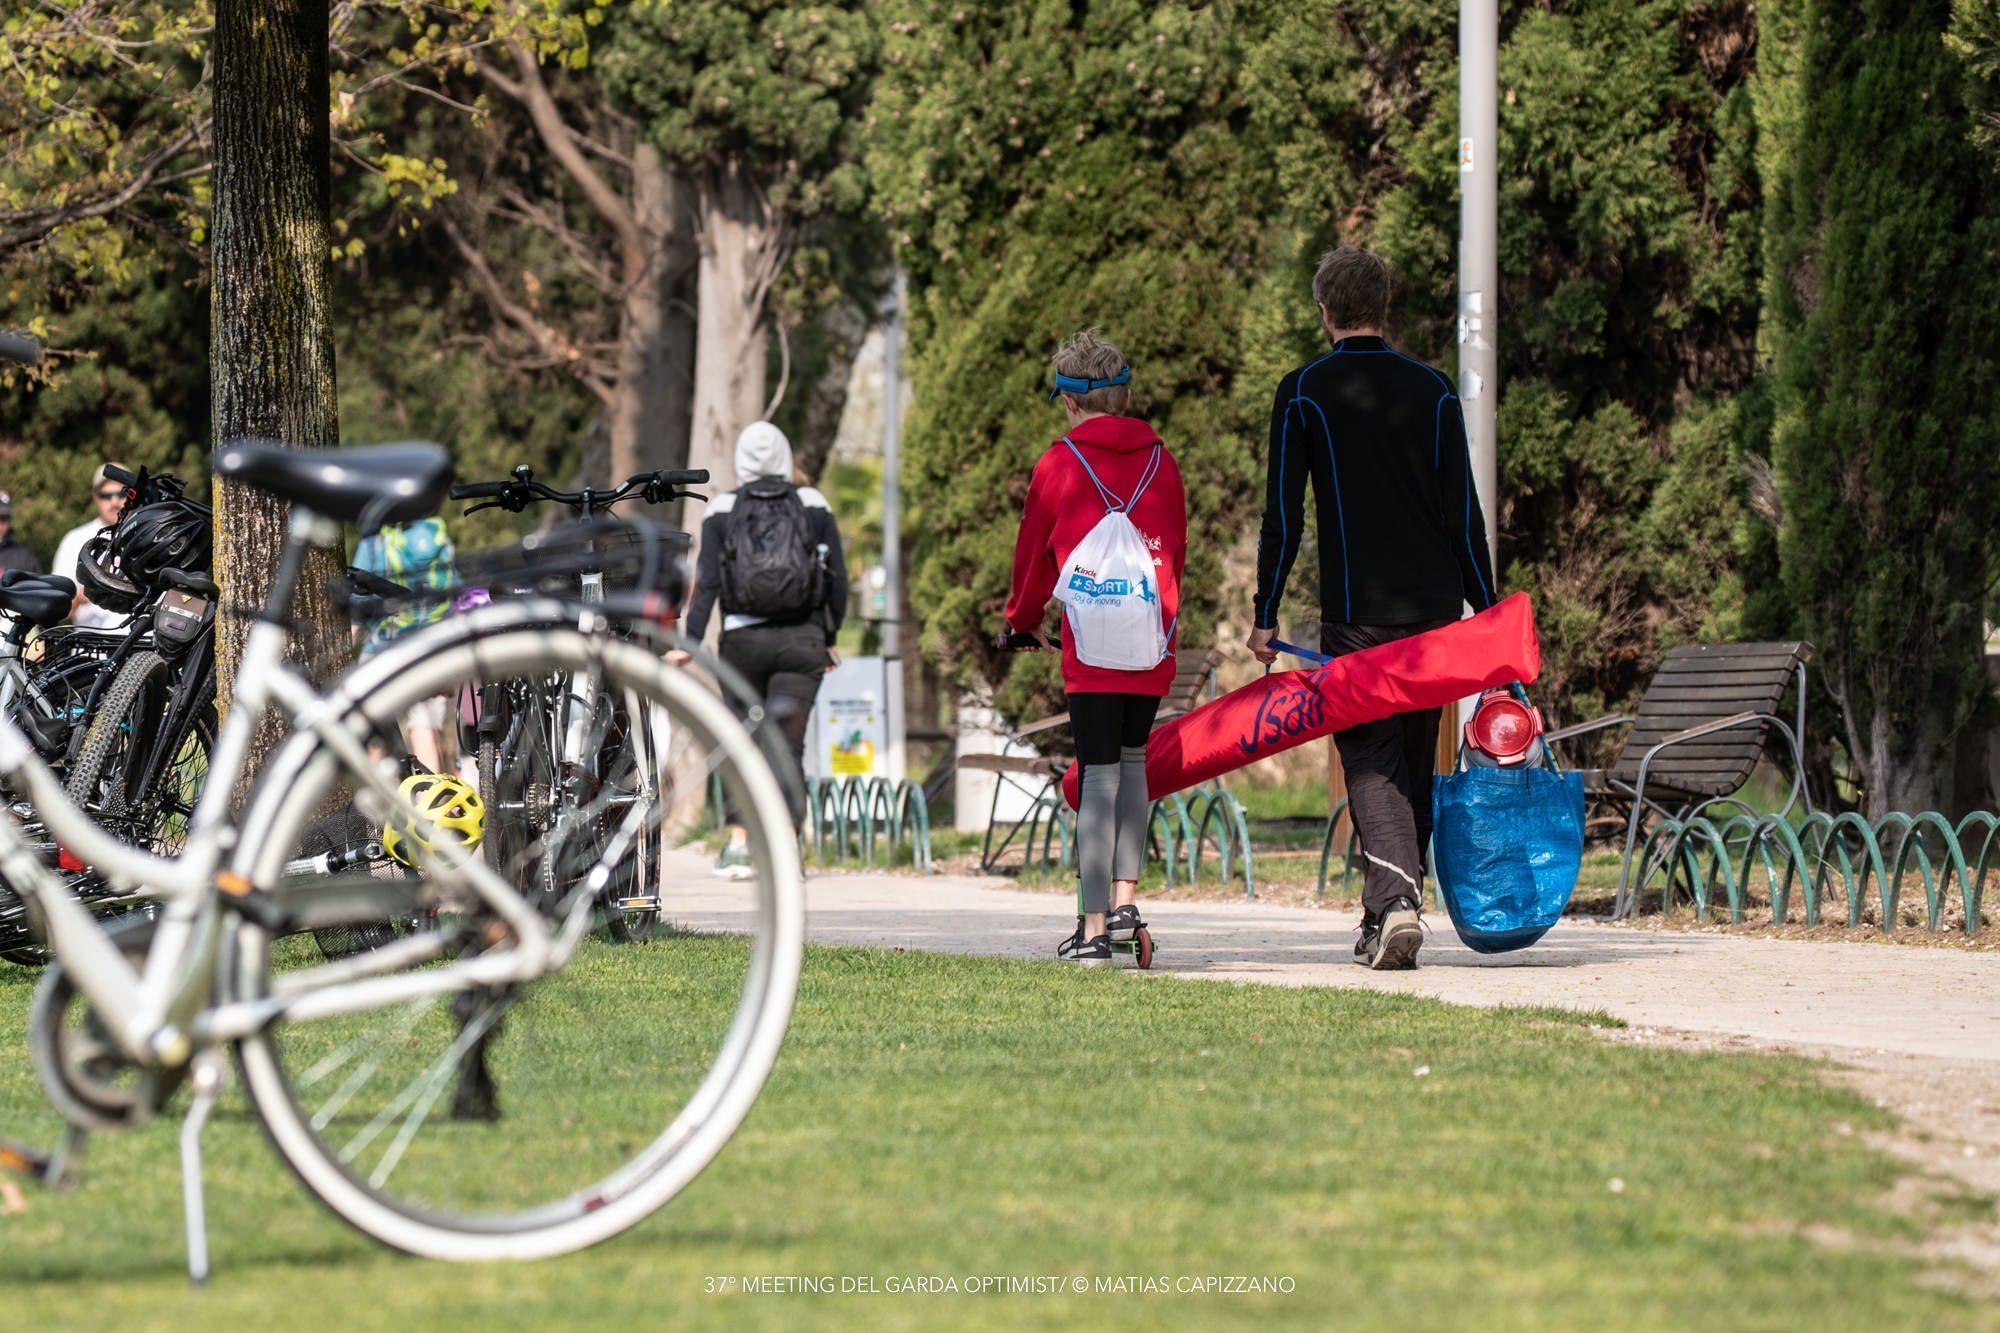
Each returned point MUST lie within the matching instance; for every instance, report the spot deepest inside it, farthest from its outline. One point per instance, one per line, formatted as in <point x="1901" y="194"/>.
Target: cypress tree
<point x="1880" y="283"/>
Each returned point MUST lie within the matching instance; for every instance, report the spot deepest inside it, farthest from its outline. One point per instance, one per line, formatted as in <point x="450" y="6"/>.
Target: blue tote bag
<point x="1506" y="845"/>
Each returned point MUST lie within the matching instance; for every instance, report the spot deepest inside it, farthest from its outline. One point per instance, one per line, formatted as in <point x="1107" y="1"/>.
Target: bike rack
<point x="1699" y="855"/>
<point x="855" y="811"/>
<point x="1217" y="808"/>
<point x="1347" y="852"/>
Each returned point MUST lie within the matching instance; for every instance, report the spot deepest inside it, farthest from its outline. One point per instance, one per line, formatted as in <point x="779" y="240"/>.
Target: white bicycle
<point x="442" y="1091"/>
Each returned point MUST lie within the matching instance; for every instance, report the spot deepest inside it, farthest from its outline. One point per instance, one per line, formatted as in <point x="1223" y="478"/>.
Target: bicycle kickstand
<point x="65" y="1169"/>
<point x="206" y="1079"/>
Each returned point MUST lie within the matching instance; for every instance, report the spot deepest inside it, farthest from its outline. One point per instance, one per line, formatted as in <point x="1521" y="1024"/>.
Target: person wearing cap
<point x="109" y="497"/>
<point x="770" y="531"/>
<point x="13" y="553"/>
<point x="1106" y="460"/>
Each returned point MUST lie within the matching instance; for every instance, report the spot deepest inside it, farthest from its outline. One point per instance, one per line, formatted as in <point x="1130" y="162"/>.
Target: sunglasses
<point x="118" y="494"/>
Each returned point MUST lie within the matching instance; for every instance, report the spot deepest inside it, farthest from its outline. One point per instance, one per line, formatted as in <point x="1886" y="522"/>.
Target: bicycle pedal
<point x="21" y="1160"/>
<point x="637" y="904"/>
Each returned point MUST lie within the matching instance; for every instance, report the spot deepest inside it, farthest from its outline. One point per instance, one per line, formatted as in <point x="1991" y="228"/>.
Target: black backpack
<point x="770" y="565"/>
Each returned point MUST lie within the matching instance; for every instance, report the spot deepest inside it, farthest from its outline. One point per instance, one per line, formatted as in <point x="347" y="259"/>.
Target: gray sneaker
<point x="734" y="863"/>
<point x="1391" y="944"/>
<point x="1087" y="952"/>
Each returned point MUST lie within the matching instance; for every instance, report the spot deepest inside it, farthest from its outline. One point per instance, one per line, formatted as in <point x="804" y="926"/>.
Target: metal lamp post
<point x="1479" y="244"/>
<point x="892" y="532"/>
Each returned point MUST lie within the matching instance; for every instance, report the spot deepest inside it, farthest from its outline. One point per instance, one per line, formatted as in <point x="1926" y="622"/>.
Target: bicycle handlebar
<point x="1011" y="641"/>
<point x="522" y="490"/>
<point x="19" y="347"/>
<point x="112" y="472"/>
<point x="375" y="585"/>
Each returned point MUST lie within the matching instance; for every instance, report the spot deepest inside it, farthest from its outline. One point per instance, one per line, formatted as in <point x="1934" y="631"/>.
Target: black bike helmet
<point x="167" y="534"/>
<point x="102" y="581"/>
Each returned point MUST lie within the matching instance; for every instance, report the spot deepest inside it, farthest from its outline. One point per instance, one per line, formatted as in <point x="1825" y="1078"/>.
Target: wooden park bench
<point x="1704" y="723"/>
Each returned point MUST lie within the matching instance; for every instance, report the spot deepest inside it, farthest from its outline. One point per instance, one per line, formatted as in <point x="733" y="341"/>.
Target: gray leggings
<point x="1110" y="732"/>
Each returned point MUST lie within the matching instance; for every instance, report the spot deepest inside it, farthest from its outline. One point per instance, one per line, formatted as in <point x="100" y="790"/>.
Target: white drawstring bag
<point x="1107" y="586"/>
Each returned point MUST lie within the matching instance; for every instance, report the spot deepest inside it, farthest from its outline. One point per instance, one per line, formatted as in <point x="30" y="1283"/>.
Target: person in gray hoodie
<point x="770" y="556"/>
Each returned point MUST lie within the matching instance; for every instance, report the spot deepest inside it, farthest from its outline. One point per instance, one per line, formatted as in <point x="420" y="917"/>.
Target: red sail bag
<point x="1289" y="708"/>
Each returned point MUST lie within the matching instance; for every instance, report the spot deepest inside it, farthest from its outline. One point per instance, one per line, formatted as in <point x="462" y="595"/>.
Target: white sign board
<point x="849" y="736"/>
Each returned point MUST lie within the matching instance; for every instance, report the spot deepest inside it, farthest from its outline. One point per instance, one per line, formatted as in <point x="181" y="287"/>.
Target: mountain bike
<point x="429" y="1092"/>
<point x="139" y="757"/>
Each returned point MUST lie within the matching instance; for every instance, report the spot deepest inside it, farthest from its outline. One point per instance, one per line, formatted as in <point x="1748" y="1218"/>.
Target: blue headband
<point x="1075" y="384"/>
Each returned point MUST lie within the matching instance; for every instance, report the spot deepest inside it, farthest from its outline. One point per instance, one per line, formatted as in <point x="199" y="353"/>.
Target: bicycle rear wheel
<point x="534" y="1117"/>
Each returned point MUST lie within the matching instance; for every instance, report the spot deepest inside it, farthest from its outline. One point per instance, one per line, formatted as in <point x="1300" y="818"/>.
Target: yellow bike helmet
<point x="450" y="809"/>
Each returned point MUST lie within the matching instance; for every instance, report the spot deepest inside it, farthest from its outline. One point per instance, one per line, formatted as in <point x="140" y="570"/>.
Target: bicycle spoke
<point x="377" y="1050"/>
<point x="434" y="1073"/>
<point x="438" y="1076"/>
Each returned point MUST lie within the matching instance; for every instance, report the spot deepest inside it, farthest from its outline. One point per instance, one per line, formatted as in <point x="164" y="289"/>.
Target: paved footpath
<point x="1867" y="999"/>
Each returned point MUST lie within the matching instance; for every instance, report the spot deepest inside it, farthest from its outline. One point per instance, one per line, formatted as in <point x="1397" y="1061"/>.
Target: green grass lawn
<point x="951" y="1117"/>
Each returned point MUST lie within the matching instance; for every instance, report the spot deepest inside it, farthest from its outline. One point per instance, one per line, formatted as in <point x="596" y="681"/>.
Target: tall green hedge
<point x="1883" y="274"/>
<point x="1044" y="171"/>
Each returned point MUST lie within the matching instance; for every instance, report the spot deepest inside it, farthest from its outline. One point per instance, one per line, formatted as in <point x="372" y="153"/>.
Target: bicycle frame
<point x="154" y="1012"/>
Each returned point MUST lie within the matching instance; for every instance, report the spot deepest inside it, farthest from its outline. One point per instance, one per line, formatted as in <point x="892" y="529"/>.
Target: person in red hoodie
<point x="1108" y="461"/>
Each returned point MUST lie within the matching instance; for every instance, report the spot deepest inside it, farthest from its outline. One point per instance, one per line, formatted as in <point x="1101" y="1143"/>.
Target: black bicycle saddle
<point x="40" y="599"/>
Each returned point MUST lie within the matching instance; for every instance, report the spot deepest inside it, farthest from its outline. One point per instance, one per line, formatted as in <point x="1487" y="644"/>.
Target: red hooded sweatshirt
<point x="1063" y="507"/>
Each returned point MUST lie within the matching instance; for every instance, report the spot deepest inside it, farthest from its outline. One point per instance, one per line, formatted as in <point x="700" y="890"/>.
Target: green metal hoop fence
<point x="1817" y="858"/>
<point x="1184" y="831"/>
<point x="860" y="819"/>
<point x="1822" y="856"/>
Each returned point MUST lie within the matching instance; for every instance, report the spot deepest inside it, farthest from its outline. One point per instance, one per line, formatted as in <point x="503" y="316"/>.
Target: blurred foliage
<point x="1043" y="167"/>
<point x="1735" y="401"/>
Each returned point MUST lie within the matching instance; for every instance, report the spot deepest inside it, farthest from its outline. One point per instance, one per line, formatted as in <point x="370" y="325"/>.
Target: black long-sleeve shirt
<point x="708" y="565"/>
<point x="1381" y="436"/>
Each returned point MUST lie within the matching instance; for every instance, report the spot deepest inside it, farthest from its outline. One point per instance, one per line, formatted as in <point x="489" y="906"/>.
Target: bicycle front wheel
<point x="534" y="1117"/>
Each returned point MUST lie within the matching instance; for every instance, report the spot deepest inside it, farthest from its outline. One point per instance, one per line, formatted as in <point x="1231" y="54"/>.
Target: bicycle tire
<point x="583" y="842"/>
<point x="124" y="715"/>
<point x="636" y="924"/>
<point x="657" y="1168"/>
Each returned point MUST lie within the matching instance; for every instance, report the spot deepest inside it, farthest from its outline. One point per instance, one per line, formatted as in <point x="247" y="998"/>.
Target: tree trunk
<point x="271" y="342"/>
<point x="1898" y="771"/>
<point x="842" y="330"/>
<point x="740" y="250"/>
<point x="649" y="420"/>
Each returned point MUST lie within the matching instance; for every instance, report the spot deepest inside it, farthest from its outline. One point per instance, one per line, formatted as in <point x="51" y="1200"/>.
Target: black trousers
<point x="1103" y="724"/>
<point x="784" y="665"/>
<point x="1388" y="766"/>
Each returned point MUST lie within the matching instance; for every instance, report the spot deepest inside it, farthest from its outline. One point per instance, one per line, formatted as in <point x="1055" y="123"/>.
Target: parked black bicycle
<point x="140" y="758"/>
<point x="559" y="762"/>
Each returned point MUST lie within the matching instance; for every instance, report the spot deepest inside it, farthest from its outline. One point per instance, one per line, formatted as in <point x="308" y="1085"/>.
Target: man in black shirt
<point x="1402" y="548"/>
